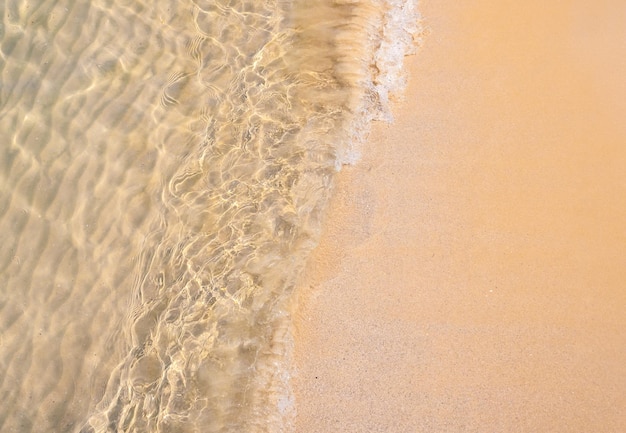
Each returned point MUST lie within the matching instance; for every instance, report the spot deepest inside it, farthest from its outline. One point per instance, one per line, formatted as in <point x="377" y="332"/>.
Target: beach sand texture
<point x="471" y="273"/>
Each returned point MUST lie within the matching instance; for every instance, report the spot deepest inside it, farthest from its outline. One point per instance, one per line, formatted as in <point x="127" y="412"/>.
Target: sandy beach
<point x="471" y="273"/>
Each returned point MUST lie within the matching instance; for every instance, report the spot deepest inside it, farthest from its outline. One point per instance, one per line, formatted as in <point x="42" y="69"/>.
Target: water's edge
<point x="390" y="31"/>
<point x="163" y="181"/>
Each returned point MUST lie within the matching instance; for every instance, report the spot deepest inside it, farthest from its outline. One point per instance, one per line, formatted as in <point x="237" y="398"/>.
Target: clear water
<point x="163" y="173"/>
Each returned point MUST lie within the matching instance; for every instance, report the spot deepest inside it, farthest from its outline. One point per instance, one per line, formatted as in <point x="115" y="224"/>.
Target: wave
<point x="166" y="180"/>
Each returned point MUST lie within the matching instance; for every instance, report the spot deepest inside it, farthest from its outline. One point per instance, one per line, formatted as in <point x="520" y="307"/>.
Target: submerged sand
<point x="470" y="278"/>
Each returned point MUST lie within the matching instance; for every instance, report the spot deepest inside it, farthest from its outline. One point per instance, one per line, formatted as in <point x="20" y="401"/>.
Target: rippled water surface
<point x="163" y="169"/>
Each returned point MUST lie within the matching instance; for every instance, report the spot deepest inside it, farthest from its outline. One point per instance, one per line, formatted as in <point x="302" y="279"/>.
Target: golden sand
<point x="471" y="274"/>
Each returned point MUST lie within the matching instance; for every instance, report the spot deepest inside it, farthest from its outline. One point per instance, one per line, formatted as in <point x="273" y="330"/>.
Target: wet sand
<point x="470" y="277"/>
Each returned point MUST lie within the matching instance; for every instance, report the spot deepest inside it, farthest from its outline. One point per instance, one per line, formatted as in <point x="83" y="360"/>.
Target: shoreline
<point x="469" y="273"/>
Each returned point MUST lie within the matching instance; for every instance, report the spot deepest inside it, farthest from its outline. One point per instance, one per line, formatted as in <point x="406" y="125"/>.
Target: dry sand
<point x="471" y="276"/>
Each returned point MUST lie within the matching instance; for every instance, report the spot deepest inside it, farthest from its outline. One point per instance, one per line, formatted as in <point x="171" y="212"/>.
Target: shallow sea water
<point x="163" y="173"/>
